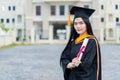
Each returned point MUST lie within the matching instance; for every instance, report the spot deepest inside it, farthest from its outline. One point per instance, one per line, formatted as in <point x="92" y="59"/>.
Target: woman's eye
<point x="80" y="22"/>
<point x="75" y="23"/>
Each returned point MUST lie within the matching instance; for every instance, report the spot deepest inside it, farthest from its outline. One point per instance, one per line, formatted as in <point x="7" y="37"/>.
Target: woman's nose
<point x="78" y="25"/>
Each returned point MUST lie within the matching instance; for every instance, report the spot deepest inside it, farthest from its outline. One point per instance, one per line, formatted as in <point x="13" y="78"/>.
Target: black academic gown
<point x="90" y="68"/>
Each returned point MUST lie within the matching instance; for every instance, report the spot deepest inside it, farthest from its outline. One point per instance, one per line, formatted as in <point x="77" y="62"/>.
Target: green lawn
<point x="11" y="45"/>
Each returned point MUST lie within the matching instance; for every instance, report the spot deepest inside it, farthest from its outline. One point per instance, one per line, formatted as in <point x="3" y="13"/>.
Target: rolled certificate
<point x="82" y="49"/>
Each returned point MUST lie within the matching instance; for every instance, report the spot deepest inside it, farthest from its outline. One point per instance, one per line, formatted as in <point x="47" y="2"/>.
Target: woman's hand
<point x="76" y="62"/>
<point x="70" y="65"/>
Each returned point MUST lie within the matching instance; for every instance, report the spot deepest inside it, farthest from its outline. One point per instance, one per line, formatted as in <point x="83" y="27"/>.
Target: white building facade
<point x="109" y="21"/>
<point x="45" y="21"/>
<point x="12" y="16"/>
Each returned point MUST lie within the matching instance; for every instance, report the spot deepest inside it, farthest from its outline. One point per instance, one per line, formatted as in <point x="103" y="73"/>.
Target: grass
<point x="11" y="45"/>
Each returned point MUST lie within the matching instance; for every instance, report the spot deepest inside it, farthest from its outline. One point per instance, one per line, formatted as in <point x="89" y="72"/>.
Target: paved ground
<point x="41" y="62"/>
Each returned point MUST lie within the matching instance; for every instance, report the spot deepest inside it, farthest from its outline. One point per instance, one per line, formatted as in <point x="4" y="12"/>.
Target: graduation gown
<point x="90" y="68"/>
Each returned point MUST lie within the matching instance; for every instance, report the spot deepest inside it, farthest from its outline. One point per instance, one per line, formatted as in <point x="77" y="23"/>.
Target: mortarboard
<point x="81" y="12"/>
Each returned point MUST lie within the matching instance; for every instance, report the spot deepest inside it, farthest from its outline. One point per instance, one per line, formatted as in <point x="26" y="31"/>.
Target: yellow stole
<point x="80" y="38"/>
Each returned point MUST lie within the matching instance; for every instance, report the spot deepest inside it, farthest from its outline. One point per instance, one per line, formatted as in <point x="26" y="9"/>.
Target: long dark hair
<point x="74" y="34"/>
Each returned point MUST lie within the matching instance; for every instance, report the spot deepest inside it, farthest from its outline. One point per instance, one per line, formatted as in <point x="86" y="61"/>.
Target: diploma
<point x="82" y="49"/>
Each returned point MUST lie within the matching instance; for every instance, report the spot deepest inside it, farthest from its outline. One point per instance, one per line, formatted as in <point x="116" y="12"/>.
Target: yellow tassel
<point x="69" y="20"/>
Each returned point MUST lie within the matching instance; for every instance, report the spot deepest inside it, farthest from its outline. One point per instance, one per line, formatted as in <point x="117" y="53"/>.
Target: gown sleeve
<point x="90" y="53"/>
<point x="64" y="60"/>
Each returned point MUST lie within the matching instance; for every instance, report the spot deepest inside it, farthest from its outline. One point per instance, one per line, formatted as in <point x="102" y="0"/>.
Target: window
<point x="3" y="8"/>
<point x="7" y="20"/>
<point x="102" y="19"/>
<point x="13" y="20"/>
<point x="102" y="7"/>
<point x="2" y="20"/>
<point x="70" y="6"/>
<point x="53" y="10"/>
<point x="9" y="8"/>
<point x="13" y="8"/>
<point x="110" y="18"/>
<point x="116" y="6"/>
<point x="38" y="10"/>
<point x="86" y="6"/>
<point x="117" y="19"/>
<point x="111" y="32"/>
<point x="19" y="19"/>
<point x="62" y="11"/>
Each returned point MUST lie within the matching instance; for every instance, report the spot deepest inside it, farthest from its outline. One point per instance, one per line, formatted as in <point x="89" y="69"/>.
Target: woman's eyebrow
<point x="78" y="22"/>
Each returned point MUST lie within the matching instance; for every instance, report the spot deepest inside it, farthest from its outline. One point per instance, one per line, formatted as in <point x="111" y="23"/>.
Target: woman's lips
<point x="78" y="30"/>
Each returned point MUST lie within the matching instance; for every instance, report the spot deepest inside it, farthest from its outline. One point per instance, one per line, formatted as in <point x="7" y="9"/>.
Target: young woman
<point x="89" y="67"/>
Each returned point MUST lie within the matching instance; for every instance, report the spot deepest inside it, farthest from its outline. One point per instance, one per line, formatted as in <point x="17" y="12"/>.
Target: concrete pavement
<point x="41" y="62"/>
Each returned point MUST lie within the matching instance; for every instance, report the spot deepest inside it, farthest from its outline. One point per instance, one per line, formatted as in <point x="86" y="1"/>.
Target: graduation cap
<point x="81" y="12"/>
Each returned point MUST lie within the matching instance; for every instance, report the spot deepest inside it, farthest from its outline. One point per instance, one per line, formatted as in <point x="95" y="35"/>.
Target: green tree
<point x="3" y="27"/>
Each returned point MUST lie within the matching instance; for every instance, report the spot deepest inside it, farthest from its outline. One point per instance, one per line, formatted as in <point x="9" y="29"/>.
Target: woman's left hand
<point x="76" y="62"/>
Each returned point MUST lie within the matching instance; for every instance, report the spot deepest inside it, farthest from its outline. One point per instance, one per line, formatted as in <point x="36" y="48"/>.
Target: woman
<point x="89" y="67"/>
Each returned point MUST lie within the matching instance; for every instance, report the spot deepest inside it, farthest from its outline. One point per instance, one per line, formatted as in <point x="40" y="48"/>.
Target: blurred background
<point x="45" y="21"/>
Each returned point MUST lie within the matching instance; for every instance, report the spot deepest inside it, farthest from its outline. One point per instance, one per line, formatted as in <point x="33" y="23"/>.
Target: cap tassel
<point x="69" y="20"/>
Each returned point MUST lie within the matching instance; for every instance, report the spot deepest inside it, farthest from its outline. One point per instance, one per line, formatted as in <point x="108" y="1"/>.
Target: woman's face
<point x="80" y="26"/>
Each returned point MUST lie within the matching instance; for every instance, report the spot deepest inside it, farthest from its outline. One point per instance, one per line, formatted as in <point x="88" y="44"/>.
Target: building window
<point x="116" y="6"/>
<point x="3" y="8"/>
<point x="86" y="6"/>
<point x="70" y="6"/>
<point x="111" y="32"/>
<point x="13" y="20"/>
<point x="2" y="20"/>
<point x="13" y="8"/>
<point x="7" y="20"/>
<point x="38" y="10"/>
<point x="9" y="8"/>
<point x="53" y="10"/>
<point x="19" y="19"/>
<point x="110" y="18"/>
<point x="62" y="10"/>
<point x="102" y="7"/>
<point x="117" y="19"/>
<point x="102" y="19"/>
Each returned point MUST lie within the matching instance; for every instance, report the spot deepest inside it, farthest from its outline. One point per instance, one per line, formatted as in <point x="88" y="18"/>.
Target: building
<point x="109" y="21"/>
<point x="12" y="16"/>
<point x="45" y="21"/>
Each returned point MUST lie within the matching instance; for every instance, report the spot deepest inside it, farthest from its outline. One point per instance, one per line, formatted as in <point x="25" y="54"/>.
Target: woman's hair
<point x="74" y="34"/>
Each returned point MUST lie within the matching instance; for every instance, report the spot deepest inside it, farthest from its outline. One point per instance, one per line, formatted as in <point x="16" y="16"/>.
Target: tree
<point x="3" y="27"/>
